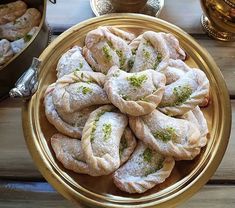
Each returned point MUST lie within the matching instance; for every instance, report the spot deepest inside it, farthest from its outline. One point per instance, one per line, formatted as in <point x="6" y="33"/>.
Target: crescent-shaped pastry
<point x="101" y="139"/>
<point x="127" y="145"/>
<point x="11" y="11"/>
<point x="21" y="26"/>
<point x="69" y="152"/>
<point x="151" y="48"/>
<point x="135" y="93"/>
<point x="196" y="116"/>
<point x="71" y="61"/>
<point x="145" y="169"/>
<point x="103" y="49"/>
<point x="185" y="94"/>
<point x="6" y="52"/>
<point x="169" y="136"/>
<point x="79" y="90"/>
<point x="70" y="124"/>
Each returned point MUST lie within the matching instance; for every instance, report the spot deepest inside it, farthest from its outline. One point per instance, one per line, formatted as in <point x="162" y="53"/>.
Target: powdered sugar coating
<point x="72" y="60"/>
<point x="138" y="175"/>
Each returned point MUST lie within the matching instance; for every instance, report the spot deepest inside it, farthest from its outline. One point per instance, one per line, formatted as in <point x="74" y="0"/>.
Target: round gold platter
<point x="187" y="176"/>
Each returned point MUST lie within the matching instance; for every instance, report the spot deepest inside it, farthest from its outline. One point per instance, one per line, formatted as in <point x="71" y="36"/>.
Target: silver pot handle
<point x="27" y="84"/>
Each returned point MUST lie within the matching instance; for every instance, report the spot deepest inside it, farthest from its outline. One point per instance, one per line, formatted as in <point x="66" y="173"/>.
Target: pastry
<point x="11" y="11"/>
<point x="145" y="169"/>
<point x="71" y="61"/>
<point x="151" y="48"/>
<point x="69" y="152"/>
<point x="18" y="45"/>
<point x="196" y="116"/>
<point x="169" y="136"/>
<point x="103" y="49"/>
<point x="127" y="145"/>
<point x="21" y="26"/>
<point x="79" y="90"/>
<point x="6" y="52"/>
<point x="134" y="93"/>
<point x="101" y="138"/>
<point x="70" y="124"/>
<point x="185" y="94"/>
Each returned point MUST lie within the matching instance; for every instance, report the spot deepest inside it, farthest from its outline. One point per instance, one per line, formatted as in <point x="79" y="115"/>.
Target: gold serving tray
<point x="187" y="177"/>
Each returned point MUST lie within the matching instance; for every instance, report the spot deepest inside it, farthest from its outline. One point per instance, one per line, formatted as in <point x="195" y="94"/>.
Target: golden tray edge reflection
<point x="188" y="177"/>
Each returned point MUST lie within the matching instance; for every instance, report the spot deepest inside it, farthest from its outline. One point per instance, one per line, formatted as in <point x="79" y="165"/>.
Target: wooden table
<point x="21" y="185"/>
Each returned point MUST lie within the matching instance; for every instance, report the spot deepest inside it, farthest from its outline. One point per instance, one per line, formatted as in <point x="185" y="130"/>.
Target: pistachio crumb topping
<point x="27" y="38"/>
<point x="106" y="52"/>
<point x="80" y="65"/>
<point x="95" y="125"/>
<point x="133" y="51"/>
<point x="130" y="63"/>
<point x="182" y="93"/>
<point x="146" y="54"/>
<point x="107" y="129"/>
<point x="85" y="90"/>
<point x="147" y="154"/>
<point x="154" y="170"/>
<point x="158" y="60"/>
<point x="137" y="81"/>
<point x="165" y="135"/>
<point x="125" y="97"/>
<point x="122" y="59"/>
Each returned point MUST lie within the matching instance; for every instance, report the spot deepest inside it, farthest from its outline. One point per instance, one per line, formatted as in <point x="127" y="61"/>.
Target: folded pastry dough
<point x="104" y="49"/>
<point x="134" y="93"/>
<point x="21" y="26"/>
<point x="145" y="169"/>
<point x="127" y="145"/>
<point x="71" y="61"/>
<point x="6" y="52"/>
<point x="185" y="94"/>
<point x="101" y="138"/>
<point x="70" y="124"/>
<point x="19" y="45"/>
<point x="79" y="90"/>
<point x="151" y="48"/>
<point x="169" y="136"/>
<point x="173" y="70"/>
<point x="196" y="116"/>
<point x="11" y="11"/>
<point x="69" y="152"/>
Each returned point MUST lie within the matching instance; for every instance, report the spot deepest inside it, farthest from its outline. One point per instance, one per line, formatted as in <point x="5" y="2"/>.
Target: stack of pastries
<point x="18" y="24"/>
<point x="127" y="106"/>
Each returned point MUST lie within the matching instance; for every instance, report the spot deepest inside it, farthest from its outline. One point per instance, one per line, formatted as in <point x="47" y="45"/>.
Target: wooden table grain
<point x="21" y="184"/>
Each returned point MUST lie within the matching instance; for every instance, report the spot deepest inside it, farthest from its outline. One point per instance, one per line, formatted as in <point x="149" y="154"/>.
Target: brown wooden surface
<point x="21" y="185"/>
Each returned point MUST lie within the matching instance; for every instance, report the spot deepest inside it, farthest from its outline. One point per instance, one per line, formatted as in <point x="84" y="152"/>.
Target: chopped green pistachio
<point x="122" y="59"/>
<point x="154" y="170"/>
<point x="123" y="145"/>
<point x="106" y="52"/>
<point x="137" y="81"/>
<point x="77" y="69"/>
<point x="107" y="129"/>
<point x="110" y="44"/>
<point x="116" y="74"/>
<point x="82" y="75"/>
<point x="95" y="125"/>
<point x="144" y="99"/>
<point x="146" y="54"/>
<point x="158" y="60"/>
<point x="130" y="63"/>
<point x="85" y="90"/>
<point x="182" y="93"/>
<point x="80" y="65"/>
<point x="147" y="155"/>
<point x="133" y="51"/>
<point x="27" y="38"/>
<point x="165" y="135"/>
